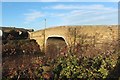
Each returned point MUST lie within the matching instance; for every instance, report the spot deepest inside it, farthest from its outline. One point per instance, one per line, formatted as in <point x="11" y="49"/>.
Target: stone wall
<point x="96" y="34"/>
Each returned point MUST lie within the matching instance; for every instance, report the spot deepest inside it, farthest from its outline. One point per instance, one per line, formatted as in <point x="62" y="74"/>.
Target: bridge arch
<point x="57" y="37"/>
<point x="54" y="45"/>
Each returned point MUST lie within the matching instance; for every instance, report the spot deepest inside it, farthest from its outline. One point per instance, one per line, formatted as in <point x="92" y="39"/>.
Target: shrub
<point x="85" y="68"/>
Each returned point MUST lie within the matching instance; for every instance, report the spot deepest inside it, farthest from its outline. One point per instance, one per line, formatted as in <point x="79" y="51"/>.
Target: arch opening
<point x="54" y="45"/>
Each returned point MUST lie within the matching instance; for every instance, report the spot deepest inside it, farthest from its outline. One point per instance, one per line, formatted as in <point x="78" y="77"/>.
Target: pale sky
<point x="32" y="15"/>
<point x="60" y="0"/>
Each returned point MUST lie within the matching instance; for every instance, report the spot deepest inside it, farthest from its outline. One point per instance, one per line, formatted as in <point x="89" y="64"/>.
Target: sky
<point x="32" y="15"/>
<point x="59" y="0"/>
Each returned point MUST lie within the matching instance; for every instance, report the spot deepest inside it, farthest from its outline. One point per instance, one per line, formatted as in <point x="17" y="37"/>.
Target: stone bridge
<point x="93" y="34"/>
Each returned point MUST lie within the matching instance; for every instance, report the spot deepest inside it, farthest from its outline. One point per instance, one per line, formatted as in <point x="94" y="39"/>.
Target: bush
<point x="72" y="67"/>
<point x="15" y="35"/>
<point x="69" y="66"/>
<point x="17" y="58"/>
<point x="86" y="68"/>
<point x="20" y="47"/>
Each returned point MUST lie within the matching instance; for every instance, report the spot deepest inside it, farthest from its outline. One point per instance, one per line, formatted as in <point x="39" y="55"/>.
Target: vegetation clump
<point x="71" y="67"/>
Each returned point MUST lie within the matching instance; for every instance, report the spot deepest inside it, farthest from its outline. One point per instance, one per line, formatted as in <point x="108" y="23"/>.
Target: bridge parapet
<point x="72" y="34"/>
